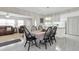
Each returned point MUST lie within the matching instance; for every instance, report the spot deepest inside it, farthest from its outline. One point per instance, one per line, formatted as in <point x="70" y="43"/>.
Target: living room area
<point x="10" y="26"/>
<point x="40" y="29"/>
<point x="12" y="20"/>
<point x="27" y="28"/>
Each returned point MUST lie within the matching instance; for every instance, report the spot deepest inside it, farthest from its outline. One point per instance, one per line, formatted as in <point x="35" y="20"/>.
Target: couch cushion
<point x="8" y="29"/>
<point x="2" y="30"/>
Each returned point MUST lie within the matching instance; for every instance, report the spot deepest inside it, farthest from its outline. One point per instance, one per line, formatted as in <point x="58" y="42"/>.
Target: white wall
<point x="37" y="19"/>
<point x="72" y="23"/>
<point x="56" y="19"/>
<point x="63" y="18"/>
<point x="28" y="15"/>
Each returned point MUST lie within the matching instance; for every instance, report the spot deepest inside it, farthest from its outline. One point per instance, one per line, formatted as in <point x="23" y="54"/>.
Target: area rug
<point x="9" y="42"/>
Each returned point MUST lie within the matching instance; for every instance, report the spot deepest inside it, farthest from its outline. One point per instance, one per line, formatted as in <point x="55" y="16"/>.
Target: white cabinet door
<point x="28" y="23"/>
<point x="70" y="26"/>
<point x="78" y="27"/>
<point x="73" y="26"/>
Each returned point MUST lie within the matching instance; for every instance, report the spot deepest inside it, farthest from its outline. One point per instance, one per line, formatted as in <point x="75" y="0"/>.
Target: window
<point x="2" y="22"/>
<point x="48" y="18"/>
<point x="20" y="22"/>
<point x="35" y="23"/>
<point x="48" y="21"/>
<point x="7" y="22"/>
<point x="60" y="24"/>
<point x="10" y="23"/>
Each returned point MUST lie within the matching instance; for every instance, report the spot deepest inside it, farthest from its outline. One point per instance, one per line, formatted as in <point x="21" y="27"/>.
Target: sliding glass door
<point x="7" y="22"/>
<point x="20" y="23"/>
<point x="11" y="22"/>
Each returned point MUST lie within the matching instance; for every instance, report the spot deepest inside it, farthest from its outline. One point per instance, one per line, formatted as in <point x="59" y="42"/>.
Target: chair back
<point x="48" y="33"/>
<point x="40" y="27"/>
<point x="54" y="30"/>
<point x="33" y="28"/>
<point x="27" y="33"/>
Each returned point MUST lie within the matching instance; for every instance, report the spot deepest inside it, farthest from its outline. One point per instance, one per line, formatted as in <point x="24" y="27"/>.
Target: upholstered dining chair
<point x="40" y="27"/>
<point x="53" y="34"/>
<point x="46" y="37"/>
<point x="29" y="38"/>
<point x="33" y="28"/>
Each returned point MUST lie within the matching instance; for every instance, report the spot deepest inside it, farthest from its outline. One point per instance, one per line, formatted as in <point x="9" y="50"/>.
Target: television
<point x="41" y="20"/>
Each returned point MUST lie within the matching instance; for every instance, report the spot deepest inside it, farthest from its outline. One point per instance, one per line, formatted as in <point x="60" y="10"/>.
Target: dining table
<point x="39" y="34"/>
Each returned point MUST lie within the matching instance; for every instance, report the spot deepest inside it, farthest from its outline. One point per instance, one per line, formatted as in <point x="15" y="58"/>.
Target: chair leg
<point x="39" y="42"/>
<point x="50" y="42"/>
<point x="45" y="45"/>
<point x="29" y="46"/>
<point x="55" y="39"/>
<point x="32" y="43"/>
<point x="36" y="44"/>
<point x="25" y="43"/>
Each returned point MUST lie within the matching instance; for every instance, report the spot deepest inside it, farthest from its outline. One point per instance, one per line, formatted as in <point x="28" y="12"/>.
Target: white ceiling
<point x="43" y="11"/>
<point x="47" y="10"/>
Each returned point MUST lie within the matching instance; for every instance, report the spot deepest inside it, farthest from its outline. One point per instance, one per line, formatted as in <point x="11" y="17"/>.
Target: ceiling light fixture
<point x="47" y="7"/>
<point x="7" y="15"/>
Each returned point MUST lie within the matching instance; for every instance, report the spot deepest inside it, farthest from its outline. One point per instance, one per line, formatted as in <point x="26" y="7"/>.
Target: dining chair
<point x="29" y="39"/>
<point x="33" y="28"/>
<point x="21" y="29"/>
<point x="53" y="34"/>
<point x="46" y="37"/>
<point x="40" y="27"/>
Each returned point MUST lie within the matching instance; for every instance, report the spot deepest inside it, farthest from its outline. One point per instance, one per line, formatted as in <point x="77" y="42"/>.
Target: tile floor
<point x="62" y="44"/>
<point x="9" y="37"/>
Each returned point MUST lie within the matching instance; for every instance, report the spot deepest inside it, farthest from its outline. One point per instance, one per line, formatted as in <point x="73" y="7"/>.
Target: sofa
<point x="21" y="29"/>
<point x="6" y="30"/>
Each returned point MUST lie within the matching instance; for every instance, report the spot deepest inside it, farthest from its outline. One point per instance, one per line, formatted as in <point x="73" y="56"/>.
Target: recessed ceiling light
<point x="7" y="15"/>
<point x="47" y="7"/>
